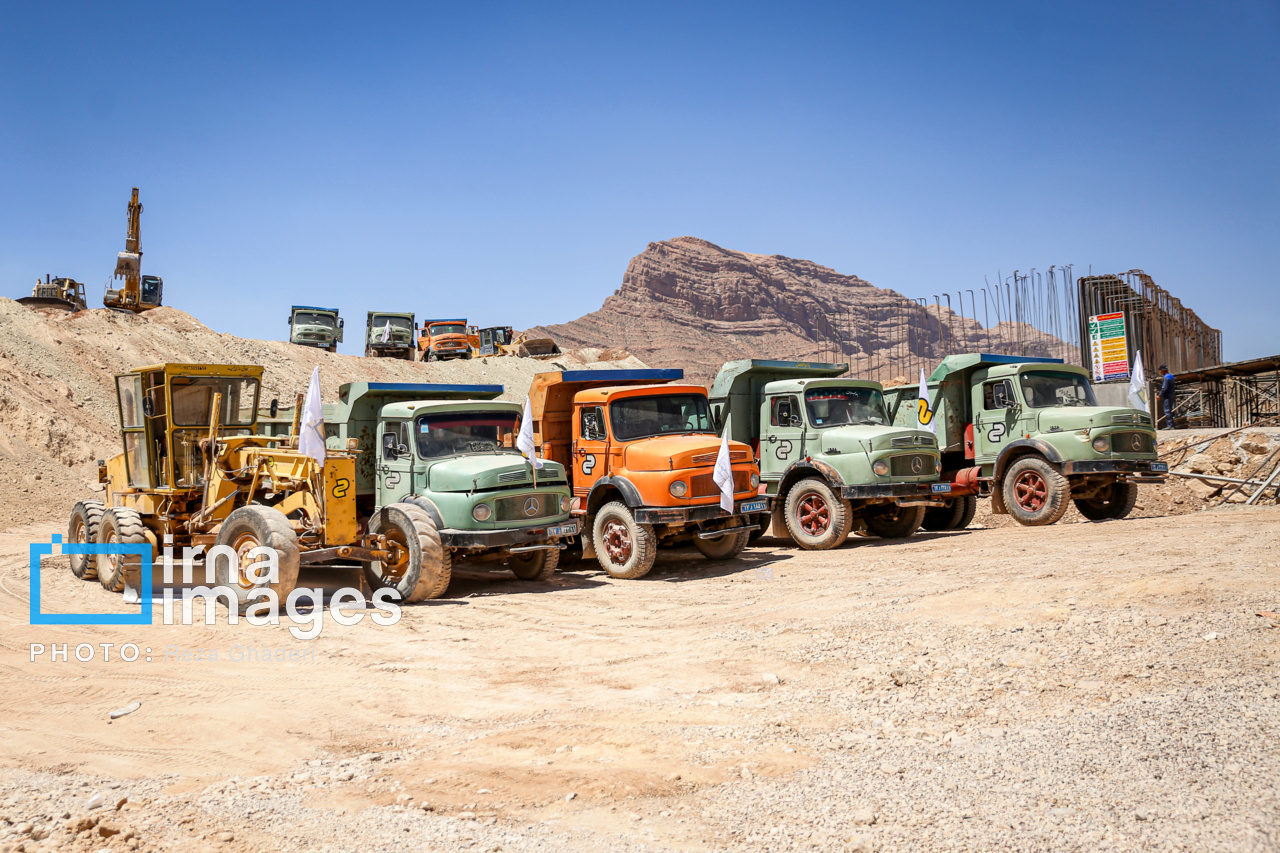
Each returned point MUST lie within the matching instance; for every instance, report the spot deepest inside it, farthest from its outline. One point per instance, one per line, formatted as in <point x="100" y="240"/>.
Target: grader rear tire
<point x="534" y="565"/>
<point x="421" y="567"/>
<point x="121" y="526"/>
<point x="86" y="518"/>
<point x="250" y="527"/>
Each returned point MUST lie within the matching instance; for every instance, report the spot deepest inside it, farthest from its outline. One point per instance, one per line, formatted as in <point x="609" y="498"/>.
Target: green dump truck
<point x="1029" y="434"/>
<point x="828" y="453"/>
<point x="315" y="327"/>
<point x="389" y="335"/>
<point x="450" y="451"/>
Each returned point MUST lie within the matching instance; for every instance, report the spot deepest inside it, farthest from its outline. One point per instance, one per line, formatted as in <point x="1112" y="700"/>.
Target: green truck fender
<point x="596" y="497"/>
<point x="1022" y="447"/>
<point x="429" y="507"/>
<point x="802" y="468"/>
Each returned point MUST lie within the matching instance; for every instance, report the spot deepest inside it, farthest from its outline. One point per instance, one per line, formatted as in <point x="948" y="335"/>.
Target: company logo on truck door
<point x="588" y="463"/>
<point x="996" y="433"/>
<point x="784" y="450"/>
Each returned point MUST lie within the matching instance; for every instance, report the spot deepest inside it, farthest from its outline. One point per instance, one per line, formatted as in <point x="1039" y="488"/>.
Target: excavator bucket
<point x="128" y="264"/>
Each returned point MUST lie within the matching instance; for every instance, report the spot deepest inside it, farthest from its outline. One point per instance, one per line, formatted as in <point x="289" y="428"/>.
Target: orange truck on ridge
<point x="442" y="339"/>
<point x="640" y="451"/>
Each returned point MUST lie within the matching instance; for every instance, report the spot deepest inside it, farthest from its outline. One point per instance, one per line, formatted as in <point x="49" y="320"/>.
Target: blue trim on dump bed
<point x="1015" y="359"/>
<point x="430" y="387"/>
<point x="650" y="375"/>
<point x="313" y="308"/>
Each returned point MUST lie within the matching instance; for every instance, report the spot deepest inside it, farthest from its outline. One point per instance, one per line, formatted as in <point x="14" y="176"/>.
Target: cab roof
<point x="603" y="395"/>
<point x="798" y="385"/>
<point x="419" y="407"/>
<point x="969" y="361"/>
<point x="251" y="370"/>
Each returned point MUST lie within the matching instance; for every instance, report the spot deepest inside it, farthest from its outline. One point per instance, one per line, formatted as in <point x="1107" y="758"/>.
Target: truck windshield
<point x="1043" y="390"/>
<point x="828" y="407"/>
<point x="400" y="324"/>
<point x="454" y="433"/>
<point x="193" y="395"/>
<point x="638" y="417"/>
<point x="449" y="329"/>
<point x="310" y="318"/>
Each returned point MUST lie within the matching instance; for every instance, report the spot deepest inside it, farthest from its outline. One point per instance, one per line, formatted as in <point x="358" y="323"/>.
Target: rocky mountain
<point x="689" y="303"/>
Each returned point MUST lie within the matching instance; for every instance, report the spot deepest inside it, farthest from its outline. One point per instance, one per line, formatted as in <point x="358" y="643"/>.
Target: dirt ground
<point x="1090" y="686"/>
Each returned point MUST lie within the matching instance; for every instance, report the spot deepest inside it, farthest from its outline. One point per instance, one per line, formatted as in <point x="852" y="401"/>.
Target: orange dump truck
<point x="640" y="455"/>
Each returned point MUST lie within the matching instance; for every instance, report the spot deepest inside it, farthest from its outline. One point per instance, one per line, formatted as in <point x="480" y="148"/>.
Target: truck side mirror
<point x="390" y="445"/>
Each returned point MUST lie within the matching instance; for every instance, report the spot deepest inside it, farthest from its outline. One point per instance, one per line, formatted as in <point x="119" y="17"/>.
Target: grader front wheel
<point x="253" y="527"/>
<point x="419" y="567"/>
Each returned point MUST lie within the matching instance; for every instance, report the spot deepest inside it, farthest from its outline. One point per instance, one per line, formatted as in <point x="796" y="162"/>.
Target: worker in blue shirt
<point x="1166" y="396"/>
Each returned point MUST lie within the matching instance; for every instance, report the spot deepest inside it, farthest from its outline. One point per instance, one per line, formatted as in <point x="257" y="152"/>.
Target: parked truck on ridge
<point x="1029" y="434"/>
<point x="640" y="451"/>
<point x="829" y="456"/>
<point x="443" y="339"/>
<point x="389" y="335"/>
<point x="315" y="327"/>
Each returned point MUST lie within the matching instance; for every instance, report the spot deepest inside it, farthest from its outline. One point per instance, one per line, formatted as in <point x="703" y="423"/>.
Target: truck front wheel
<point x="724" y="547"/>
<point x="625" y="548"/>
<point x="534" y="565"/>
<point x="956" y="515"/>
<point x="1114" y="501"/>
<point x="816" y="517"/>
<point x="894" y="522"/>
<point x="1034" y="492"/>
<point x="420" y="566"/>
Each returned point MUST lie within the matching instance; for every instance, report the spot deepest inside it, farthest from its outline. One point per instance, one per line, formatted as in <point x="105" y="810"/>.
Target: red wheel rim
<point x="815" y="514"/>
<point x="617" y="542"/>
<point x="1030" y="491"/>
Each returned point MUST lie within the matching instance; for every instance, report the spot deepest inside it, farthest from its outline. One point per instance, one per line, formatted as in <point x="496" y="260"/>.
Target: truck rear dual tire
<point x="1035" y="493"/>
<point x="86" y="518"/>
<point x="893" y="521"/>
<point x="534" y="565"/>
<point x="252" y="527"/>
<point x="724" y="547"/>
<point x="1114" y="502"/>
<point x="624" y="547"/>
<point x="956" y="515"/>
<point x="121" y="526"/>
<point x="423" y="567"/>
<point x="816" y="518"/>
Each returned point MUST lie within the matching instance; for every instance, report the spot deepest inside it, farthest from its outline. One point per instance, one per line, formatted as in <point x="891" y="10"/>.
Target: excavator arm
<point x="131" y="297"/>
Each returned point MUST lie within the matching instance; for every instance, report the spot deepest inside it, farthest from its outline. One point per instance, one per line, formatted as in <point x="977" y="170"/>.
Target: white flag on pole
<point x="1138" y="385"/>
<point x="386" y="332"/>
<point x="524" y="441"/>
<point x="722" y="476"/>
<point x="924" y="409"/>
<point x="311" y="430"/>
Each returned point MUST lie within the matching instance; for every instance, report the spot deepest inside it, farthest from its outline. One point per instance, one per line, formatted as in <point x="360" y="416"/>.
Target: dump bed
<point x="551" y="403"/>
<point x="739" y="385"/>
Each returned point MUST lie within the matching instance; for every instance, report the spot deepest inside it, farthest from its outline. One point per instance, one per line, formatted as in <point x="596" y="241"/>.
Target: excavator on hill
<point x="140" y="292"/>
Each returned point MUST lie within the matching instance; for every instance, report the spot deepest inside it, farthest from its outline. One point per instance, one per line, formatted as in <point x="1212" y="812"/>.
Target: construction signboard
<point x="1108" y="347"/>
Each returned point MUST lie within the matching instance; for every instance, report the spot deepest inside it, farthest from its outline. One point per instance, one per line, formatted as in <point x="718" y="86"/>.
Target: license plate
<point x="942" y="488"/>
<point x="563" y="530"/>
<point x="753" y="506"/>
<point x="1160" y="467"/>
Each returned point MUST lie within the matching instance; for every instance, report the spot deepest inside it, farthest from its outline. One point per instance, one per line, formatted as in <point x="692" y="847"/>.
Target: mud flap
<point x="588" y="540"/>
<point x="997" y="500"/>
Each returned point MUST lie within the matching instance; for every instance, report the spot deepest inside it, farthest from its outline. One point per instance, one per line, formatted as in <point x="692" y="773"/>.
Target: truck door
<point x="995" y="418"/>
<point x="395" y="461"/>
<point x="780" y="444"/>
<point x="590" y="448"/>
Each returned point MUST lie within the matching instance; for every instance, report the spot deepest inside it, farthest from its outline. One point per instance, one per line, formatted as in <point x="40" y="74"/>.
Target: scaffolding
<point x="1238" y="394"/>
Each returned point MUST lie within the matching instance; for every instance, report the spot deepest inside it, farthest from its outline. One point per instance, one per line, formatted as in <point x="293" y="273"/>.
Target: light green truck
<point x="310" y="326"/>
<point x="829" y="456"/>
<point x="389" y="335"/>
<point x="1029" y="433"/>
<point x="449" y="450"/>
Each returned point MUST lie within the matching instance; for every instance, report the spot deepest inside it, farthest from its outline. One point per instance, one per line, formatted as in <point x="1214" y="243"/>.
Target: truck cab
<point x="450" y="450"/>
<point x="640" y="450"/>
<point x="389" y="335"/>
<point x="310" y="326"/>
<point x="1029" y="433"/>
<point x="829" y="455"/>
<point x="443" y="339"/>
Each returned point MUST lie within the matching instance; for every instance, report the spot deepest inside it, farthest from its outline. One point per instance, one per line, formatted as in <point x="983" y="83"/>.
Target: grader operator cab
<point x="140" y="292"/>
<point x="192" y="468"/>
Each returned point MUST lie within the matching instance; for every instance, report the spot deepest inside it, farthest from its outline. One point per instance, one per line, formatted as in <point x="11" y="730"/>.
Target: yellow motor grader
<point x="193" y="469"/>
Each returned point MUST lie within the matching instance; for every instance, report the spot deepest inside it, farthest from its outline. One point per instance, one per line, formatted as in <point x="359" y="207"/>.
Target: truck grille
<point x="911" y="441"/>
<point x="514" y="477"/>
<point x="905" y="465"/>
<point x="1132" y="442"/>
<point x="515" y="508"/>
<point x="703" y="486"/>
<point x="710" y="458"/>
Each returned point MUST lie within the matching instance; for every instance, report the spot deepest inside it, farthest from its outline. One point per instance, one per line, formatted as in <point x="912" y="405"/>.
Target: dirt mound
<point x="58" y="410"/>
<point x="689" y="303"/>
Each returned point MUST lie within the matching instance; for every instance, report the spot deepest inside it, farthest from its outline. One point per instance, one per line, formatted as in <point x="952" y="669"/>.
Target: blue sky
<point x="505" y="161"/>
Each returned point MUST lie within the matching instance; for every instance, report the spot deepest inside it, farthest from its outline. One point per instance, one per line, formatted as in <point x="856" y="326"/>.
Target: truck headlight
<point x="481" y="512"/>
<point x="937" y="465"/>
<point x="755" y="481"/>
<point x="678" y="489"/>
<point x="1102" y="444"/>
<point x="881" y="467"/>
<point x="565" y="503"/>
